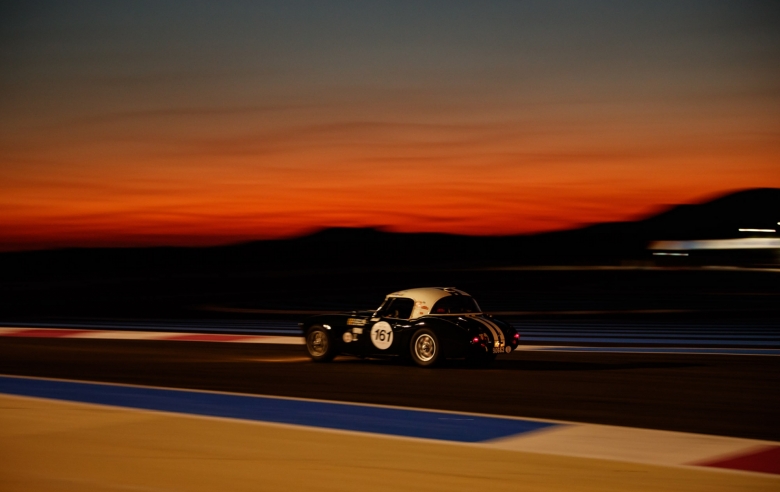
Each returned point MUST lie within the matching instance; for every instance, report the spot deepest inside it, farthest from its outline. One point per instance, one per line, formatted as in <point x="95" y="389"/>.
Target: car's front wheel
<point x="319" y="344"/>
<point x="425" y="348"/>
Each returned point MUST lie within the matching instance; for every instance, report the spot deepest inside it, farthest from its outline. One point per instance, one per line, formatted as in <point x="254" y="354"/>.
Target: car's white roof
<point x="425" y="297"/>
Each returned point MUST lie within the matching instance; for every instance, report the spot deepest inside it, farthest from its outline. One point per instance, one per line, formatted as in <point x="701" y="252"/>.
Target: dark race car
<point x="426" y="325"/>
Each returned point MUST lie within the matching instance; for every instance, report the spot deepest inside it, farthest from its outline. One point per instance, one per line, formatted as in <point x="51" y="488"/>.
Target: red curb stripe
<point x="207" y="337"/>
<point x="46" y="333"/>
<point x="764" y="460"/>
<point x="138" y="335"/>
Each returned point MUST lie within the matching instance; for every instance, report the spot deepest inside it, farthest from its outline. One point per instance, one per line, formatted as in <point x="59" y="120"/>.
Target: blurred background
<point x="396" y="143"/>
<point x="604" y="175"/>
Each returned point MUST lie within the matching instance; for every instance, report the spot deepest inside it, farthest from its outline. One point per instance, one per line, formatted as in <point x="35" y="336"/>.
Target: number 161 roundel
<point x="425" y="325"/>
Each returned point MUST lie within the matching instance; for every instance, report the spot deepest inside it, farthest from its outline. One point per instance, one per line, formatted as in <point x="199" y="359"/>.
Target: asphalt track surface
<point x="710" y="394"/>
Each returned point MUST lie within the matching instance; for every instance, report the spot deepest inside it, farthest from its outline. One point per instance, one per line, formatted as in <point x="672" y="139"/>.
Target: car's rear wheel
<point x="424" y="348"/>
<point x="319" y="344"/>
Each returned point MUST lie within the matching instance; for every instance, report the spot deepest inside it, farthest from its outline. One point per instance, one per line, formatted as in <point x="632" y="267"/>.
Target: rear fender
<point x="453" y="338"/>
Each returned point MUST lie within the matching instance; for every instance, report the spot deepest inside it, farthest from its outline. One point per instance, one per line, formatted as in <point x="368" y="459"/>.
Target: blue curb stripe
<point x="697" y="341"/>
<point x="378" y="420"/>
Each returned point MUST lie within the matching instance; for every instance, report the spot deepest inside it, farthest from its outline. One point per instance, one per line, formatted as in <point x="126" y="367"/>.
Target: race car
<point x="425" y="325"/>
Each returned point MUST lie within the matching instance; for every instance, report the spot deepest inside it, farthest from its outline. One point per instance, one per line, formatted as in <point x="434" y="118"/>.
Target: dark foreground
<point x="723" y="395"/>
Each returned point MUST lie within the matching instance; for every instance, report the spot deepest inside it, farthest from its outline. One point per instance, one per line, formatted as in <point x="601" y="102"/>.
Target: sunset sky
<point x="191" y="123"/>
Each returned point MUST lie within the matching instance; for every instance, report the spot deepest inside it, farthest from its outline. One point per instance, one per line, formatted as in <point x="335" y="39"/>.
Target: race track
<point x="728" y="395"/>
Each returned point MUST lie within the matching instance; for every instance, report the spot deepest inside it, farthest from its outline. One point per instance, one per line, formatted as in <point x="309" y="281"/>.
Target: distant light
<point x="740" y="243"/>
<point x="758" y="230"/>
<point x="670" y="254"/>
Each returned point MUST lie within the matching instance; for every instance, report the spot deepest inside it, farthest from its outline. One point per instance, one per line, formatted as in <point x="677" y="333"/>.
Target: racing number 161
<point x="383" y="335"/>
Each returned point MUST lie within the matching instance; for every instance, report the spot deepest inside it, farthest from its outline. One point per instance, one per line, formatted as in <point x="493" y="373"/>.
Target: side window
<point x="397" y="307"/>
<point x="455" y="305"/>
<point x="443" y="306"/>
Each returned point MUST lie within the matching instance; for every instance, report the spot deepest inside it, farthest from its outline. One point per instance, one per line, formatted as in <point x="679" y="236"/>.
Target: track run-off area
<point x="604" y="407"/>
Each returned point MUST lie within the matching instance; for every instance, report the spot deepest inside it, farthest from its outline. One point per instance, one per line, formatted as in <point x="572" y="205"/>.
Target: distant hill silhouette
<point x="364" y="248"/>
<point x="717" y="219"/>
<point x="720" y="218"/>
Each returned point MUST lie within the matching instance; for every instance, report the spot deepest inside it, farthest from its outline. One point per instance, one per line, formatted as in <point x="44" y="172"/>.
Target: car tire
<point x="319" y="344"/>
<point x="424" y="348"/>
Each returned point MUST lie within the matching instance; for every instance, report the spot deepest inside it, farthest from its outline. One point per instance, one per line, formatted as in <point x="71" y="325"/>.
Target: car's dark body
<point x="458" y="330"/>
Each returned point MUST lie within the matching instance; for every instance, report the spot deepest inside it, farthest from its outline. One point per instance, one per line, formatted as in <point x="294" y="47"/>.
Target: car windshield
<point x="396" y="307"/>
<point x="456" y="305"/>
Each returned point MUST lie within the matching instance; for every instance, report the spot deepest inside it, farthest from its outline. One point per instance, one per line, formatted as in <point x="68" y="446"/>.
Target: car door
<point x="383" y="334"/>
